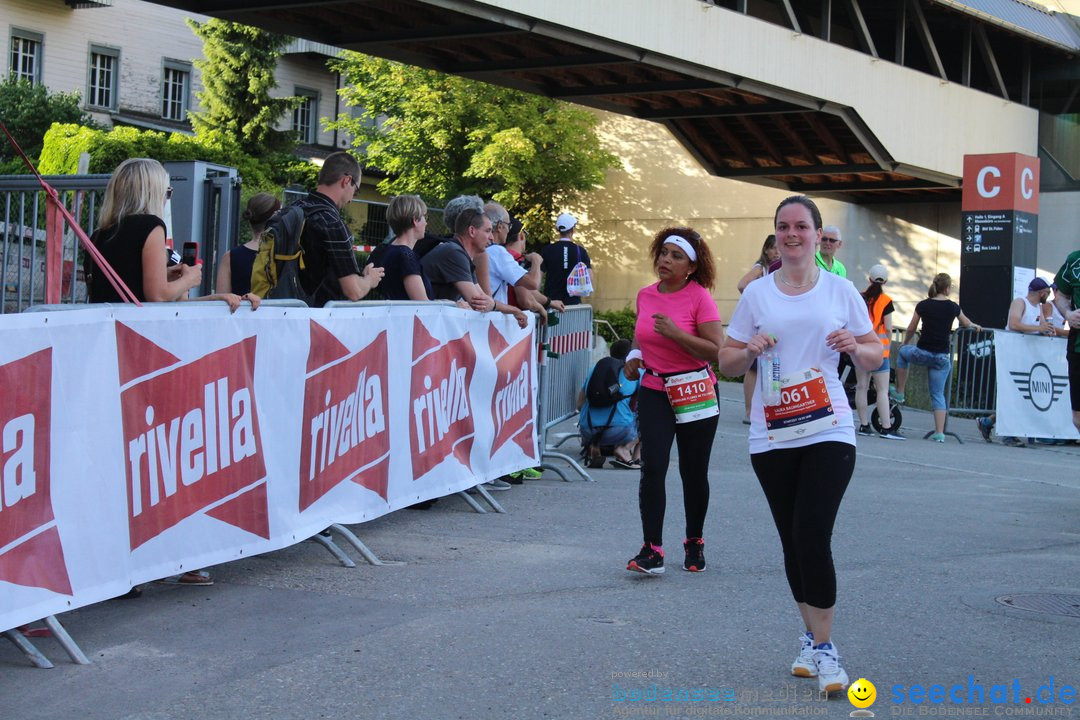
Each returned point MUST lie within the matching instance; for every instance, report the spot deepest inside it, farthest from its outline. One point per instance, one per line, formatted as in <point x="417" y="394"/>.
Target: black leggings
<point x="656" y="422"/>
<point x="804" y="487"/>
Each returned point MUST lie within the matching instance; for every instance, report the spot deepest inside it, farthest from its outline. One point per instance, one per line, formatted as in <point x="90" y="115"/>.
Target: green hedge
<point x="621" y="321"/>
<point x="64" y="143"/>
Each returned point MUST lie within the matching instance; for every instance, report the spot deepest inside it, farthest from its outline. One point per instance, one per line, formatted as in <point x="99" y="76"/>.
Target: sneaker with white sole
<point x="889" y="434"/>
<point x="804" y="664"/>
<point x="865" y="430"/>
<point x="649" y="561"/>
<point x="831" y="676"/>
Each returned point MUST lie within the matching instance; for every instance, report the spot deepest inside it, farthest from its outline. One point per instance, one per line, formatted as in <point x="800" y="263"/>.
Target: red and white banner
<point x="136" y="443"/>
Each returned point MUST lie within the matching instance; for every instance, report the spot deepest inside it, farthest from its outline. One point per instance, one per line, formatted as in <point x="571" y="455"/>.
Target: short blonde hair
<point x="137" y="187"/>
<point x="403" y="211"/>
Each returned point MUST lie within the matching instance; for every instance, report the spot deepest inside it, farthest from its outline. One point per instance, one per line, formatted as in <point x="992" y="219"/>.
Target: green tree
<point x="28" y="110"/>
<point x="237" y="71"/>
<point x="439" y="135"/>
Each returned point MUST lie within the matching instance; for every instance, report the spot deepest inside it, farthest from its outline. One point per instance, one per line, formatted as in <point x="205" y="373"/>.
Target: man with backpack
<point x="566" y="260"/>
<point x="330" y="271"/>
<point x="607" y="418"/>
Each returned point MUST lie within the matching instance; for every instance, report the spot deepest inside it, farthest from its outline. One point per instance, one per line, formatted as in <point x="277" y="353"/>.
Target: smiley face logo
<point x="862" y="693"/>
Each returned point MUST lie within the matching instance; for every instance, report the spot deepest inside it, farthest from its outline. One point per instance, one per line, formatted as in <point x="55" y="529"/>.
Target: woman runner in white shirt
<point x="802" y="447"/>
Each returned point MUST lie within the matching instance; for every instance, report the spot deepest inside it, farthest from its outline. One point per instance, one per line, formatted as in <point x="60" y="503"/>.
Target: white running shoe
<point x="804" y="664"/>
<point x="831" y="677"/>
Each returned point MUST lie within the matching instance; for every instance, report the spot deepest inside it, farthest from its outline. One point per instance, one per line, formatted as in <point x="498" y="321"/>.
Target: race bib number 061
<point x="805" y="408"/>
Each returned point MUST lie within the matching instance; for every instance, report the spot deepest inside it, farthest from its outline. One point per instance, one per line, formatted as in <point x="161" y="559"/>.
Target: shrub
<point x="621" y="321"/>
<point x="63" y="144"/>
<point x="28" y="110"/>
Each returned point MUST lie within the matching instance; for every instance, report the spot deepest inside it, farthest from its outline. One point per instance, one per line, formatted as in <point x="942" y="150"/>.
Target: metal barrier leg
<point x="337" y="552"/>
<point x="565" y="437"/>
<point x="32" y="653"/>
<point x="555" y="469"/>
<point x="470" y="502"/>
<point x="65" y="640"/>
<point x="488" y="499"/>
<point x="571" y="461"/>
<point x="361" y="548"/>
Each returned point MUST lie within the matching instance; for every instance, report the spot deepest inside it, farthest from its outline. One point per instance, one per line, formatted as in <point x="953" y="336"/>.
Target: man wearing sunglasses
<point x="826" y="255"/>
<point x="330" y="271"/>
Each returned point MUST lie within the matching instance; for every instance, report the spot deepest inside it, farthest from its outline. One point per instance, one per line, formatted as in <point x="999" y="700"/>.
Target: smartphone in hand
<point x="191" y="253"/>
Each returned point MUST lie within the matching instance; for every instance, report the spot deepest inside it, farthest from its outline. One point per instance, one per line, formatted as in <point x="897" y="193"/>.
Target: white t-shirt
<point x="503" y="270"/>
<point x="800" y="324"/>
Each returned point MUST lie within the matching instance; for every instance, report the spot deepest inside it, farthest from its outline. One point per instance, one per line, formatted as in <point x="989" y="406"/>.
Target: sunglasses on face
<point x="352" y="181"/>
<point x="829" y="240"/>
<point x="168" y="193"/>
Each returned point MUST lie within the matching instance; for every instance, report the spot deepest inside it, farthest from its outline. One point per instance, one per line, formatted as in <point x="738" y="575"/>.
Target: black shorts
<point x="1074" y="380"/>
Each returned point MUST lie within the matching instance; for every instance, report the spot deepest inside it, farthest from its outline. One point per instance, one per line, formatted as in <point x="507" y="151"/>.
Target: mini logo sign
<point x="345" y="435"/>
<point x="1040" y="386"/>
<point x="512" y="400"/>
<point x="440" y="417"/>
<point x="30" y="550"/>
<point x="191" y="437"/>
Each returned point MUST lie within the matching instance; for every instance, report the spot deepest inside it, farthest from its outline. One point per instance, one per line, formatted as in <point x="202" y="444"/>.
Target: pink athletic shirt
<point x="687" y="308"/>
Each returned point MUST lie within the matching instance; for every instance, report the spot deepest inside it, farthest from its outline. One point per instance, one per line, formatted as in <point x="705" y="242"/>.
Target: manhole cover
<point x="1052" y="604"/>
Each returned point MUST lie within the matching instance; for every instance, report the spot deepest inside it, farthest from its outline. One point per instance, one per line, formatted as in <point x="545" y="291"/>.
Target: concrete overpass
<point x="875" y="101"/>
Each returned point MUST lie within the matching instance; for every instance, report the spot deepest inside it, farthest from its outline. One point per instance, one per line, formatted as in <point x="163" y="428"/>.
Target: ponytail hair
<point x="871" y="293"/>
<point x="940" y="286"/>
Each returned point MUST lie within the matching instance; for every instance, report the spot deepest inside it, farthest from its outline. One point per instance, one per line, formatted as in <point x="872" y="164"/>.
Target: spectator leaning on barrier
<point x="449" y="265"/>
<point x="826" y="254"/>
<point x="560" y="258"/>
<point x="131" y="238"/>
<point x="937" y="314"/>
<point x="1031" y="314"/>
<point x="527" y="300"/>
<point x="234" y="273"/>
<point x="614" y="425"/>
<point x="404" y="278"/>
<point x="330" y="271"/>
<point x="1067" y="287"/>
<point x="504" y="271"/>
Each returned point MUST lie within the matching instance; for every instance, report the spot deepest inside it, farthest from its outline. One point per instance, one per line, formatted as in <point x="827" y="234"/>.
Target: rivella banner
<point x="1032" y="387"/>
<point x="137" y="443"/>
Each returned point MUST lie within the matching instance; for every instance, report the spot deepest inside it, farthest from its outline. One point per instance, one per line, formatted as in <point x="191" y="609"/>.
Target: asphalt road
<point x="530" y="614"/>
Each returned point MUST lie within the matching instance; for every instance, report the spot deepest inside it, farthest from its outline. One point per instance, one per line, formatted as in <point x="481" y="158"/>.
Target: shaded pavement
<point x="531" y="614"/>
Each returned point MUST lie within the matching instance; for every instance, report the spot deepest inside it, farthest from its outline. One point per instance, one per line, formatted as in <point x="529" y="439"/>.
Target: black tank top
<point x="121" y="246"/>
<point x="241" y="260"/>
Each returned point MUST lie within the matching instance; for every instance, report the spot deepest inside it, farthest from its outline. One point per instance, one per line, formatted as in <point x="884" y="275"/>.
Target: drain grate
<point x="1049" y="603"/>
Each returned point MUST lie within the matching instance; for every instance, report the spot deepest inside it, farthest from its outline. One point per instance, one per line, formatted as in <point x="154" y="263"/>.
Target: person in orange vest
<point x="880" y="307"/>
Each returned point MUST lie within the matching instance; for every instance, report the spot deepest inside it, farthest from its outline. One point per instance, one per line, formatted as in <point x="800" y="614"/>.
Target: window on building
<point x="26" y="55"/>
<point x="104" y="74"/>
<point x="306" y="116"/>
<point x="175" y="89"/>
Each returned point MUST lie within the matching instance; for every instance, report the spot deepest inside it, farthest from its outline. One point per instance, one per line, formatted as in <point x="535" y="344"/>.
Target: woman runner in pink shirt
<point x="677" y="336"/>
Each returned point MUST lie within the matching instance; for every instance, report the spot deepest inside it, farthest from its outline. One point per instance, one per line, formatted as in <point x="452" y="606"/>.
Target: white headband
<point x="681" y="242"/>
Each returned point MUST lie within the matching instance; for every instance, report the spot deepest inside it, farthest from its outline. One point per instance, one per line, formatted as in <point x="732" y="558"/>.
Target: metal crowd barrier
<point x="565" y="353"/>
<point x="23" y="230"/>
<point x="971" y="388"/>
<point x="974" y="385"/>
